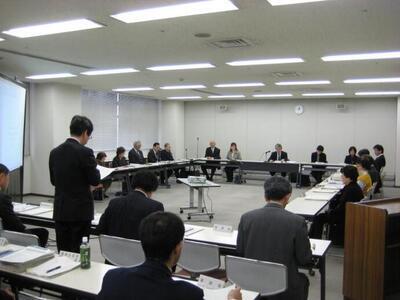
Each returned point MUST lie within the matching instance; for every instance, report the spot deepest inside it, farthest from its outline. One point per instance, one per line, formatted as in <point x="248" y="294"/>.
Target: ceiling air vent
<point x="286" y="74"/>
<point x="232" y="43"/>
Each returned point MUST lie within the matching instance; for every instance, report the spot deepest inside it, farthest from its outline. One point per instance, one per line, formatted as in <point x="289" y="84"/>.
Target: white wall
<point x="172" y="120"/>
<point x="397" y="182"/>
<point x="256" y="125"/>
<point x="52" y="107"/>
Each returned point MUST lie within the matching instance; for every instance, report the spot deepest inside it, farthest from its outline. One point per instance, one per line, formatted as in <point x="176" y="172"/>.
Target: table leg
<point x="166" y="182"/>
<point x="191" y="197"/>
<point x="200" y="200"/>
<point x="128" y="183"/>
<point x="322" y="271"/>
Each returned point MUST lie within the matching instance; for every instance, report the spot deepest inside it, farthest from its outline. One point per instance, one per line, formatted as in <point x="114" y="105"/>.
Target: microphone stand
<point x="197" y="147"/>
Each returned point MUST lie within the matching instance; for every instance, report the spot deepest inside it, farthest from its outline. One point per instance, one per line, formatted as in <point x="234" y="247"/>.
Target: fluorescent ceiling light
<point x="270" y="61"/>
<point x="110" y="71"/>
<point x="384" y="93"/>
<point x="289" y="2"/>
<point x="52" y="28"/>
<point x="245" y="84"/>
<point x="271" y="95"/>
<point x="50" y="76"/>
<point x="362" y="56"/>
<point x="307" y="82"/>
<point x="174" y="11"/>
<point x="183" y="87"/>
<point x="183" y="97"/>
<point x="134" y="89"/>
<point x="225" y="96"/>
<point x="322" y="94"/>
<point x="181" y="67"/>
<point x="2" y="39"/>
<point x="373" y="80"/>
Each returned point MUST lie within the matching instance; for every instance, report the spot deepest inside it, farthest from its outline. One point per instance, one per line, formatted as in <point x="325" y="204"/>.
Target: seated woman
<point x="233" y="155"/>
<point x="335" y="216"/>
<point x="120" y="160"/>
<point x="364" y="179"/>
<point x="352" y="158"/>
<point x="101" y="161"/>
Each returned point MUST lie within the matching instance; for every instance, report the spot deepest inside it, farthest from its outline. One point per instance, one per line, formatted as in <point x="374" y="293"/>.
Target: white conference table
<point x="86" y="283"/>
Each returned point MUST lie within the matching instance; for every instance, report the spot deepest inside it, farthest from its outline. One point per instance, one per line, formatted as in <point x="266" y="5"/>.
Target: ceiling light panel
<point x="110" y="71"/>
<point x="51" y="76"/>
<point x="244" y="84"/>
<point x="378" y="93"/>
<point x="307" y="82"/>
<point x="269" y="61"/>
<point x="183" y="87"/>
<point x="373" y="80"/>
<point x="362" y="56"/>
<point x="290" y="2"/>
<point x="323" y="94"/>
<point x="183" y="97"/>
<point x="272" y="95"/>
<point x="134" y="89"/>
<point x="181" y="67"/>
<point x="225" y="96"/>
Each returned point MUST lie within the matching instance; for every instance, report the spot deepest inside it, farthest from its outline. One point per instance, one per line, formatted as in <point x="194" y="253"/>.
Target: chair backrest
<point x="199" y="257"/>
<point x="121" y="252"/>
<point x="263" y="277"/>
<point x="21" y="239"/>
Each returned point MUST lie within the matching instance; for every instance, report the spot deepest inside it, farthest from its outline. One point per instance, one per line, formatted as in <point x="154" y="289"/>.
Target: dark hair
<point x="379" y="148"/>
<point x="156" y="144"/>
<point x="363" y="152"/>
<point x="352" y="148"/>
<point x="350" y="172"/>
<point x="166" y="145"/>
<point x="4" y="170"/>
<point x="320" y="148"/>
<point x="277" y="187"/>
<point x="101" y="155"/>
<point x="365" y="163"/>
<point x="160" y="232"/>
<point x="80" y="124"/>
<point x="233" y="144"/>
<point x="145" y="180"/>
<point x="120" y="150"/>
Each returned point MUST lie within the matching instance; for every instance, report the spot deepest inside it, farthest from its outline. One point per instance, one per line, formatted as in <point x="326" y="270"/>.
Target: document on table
<point x="319" y="196"/>
<point x="189" y="230"/>
<point x="104" y="172"/>
<point x="96" y="219"/>
<point x="22" y="207"/>
<point x="55" y="266"/>
<point x="26" y="255"/>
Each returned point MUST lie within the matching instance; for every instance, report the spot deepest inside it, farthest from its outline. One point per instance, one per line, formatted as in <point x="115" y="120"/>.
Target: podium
<point x="372" y="250"/>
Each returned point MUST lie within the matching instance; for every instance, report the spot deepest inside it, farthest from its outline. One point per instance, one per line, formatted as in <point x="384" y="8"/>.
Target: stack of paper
<point x="319" y="196"/>
<point x="55" y="266"/>
<point x="27" y="255"/>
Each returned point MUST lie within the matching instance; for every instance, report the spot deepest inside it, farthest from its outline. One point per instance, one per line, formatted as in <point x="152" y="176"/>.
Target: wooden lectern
<point x="372" y="250"/>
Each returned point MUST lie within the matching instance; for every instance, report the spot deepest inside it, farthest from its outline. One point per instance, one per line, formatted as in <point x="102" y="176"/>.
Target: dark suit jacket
<point x="153" y="156"/>
<point x="380" y="162"/>
<point x="72" y="172"/>
<point x="322" y="157"/>
<point x="116" y="162"/>
<point x="135" y="158"/>
<point x="166" y="156"/>
<point x="216" y="154"/>
<point x="351" y="160"/>
<point x="8" y="216"/>
<point x="274" y="156"/>
<point x="337" y="207"/>
<point x="150" y="281"/>
<point x="276" y="235"/>
<point x="123" y="215"/>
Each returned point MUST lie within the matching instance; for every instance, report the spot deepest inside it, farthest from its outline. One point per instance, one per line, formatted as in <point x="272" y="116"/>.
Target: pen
<point x="53" y="269"/>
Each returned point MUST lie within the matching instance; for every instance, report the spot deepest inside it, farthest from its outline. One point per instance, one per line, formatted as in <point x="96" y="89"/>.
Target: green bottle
<point x="85" y="253"/>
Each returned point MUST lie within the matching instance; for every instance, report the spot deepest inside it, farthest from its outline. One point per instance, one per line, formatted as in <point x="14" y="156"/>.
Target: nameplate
<point x="207" y="282"/>
<point x="223" y="228"/>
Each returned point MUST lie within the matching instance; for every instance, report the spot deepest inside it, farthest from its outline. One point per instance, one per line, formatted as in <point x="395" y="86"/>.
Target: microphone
<point x="269" y="151"/>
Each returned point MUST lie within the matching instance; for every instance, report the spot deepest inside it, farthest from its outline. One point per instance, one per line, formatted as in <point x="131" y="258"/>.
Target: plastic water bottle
<point x="85" y="253"/>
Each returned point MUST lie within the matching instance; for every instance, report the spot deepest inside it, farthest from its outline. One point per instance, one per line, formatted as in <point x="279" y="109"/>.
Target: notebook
<point x="60" y="264"/>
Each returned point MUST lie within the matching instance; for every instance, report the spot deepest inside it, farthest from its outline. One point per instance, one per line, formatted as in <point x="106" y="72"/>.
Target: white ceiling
<point x="306" y="30"/>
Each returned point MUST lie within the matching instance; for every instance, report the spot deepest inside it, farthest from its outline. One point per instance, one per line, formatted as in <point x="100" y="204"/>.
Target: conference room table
<point x="226" y="241"/>
<point x="86" y="283"/>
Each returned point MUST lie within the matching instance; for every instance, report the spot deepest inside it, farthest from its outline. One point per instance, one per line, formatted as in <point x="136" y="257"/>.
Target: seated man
<point x="335" y="216"/>
<point x="379" y="163"/>
<point x="161" y="234"/>
<point x="135" y="155"/>
<point x="278" y="155"/>
<point x="166" y="155"/>
<point x="9" y="218"/>
<point x="318" y="156"/>
<point x="212" y="152"/>
<point x="105" y="184"/>
<point x="276" y="235"/>
<point x="123" y="215"/>
<point x="154" y="154"/>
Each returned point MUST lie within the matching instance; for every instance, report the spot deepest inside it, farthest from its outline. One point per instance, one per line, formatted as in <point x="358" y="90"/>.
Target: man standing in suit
<point x="278" y="155"/>
<point x="154" y="154"/>
<point x="379" y="163"/>
<point x="276" y="235"/>
<point x="161" y="234"/>
<point x="212" y="152"/>
<point x="318" y="157"/>
<point x="123" y="215"/>
<point x="136" y="155"/>
<point x="74" y="174"/>
<point x="9" y="219"/>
